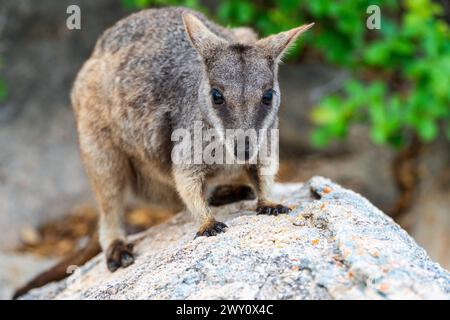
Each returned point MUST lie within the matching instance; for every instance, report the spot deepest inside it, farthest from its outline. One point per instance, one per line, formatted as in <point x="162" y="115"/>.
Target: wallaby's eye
<point x="267" y="97"/>
<point x="217" y="97"/>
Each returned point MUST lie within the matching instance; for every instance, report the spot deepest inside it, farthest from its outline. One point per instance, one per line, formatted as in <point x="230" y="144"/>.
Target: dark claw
<point x="119" y="255"/>
<point x="274" y="210"/>
<point x="283" y="209"/>
<point x="205" y="234"/>
<point x="220" y="227"/>
<point x="213" y="229"/>
<point x="126" y="259"/>
<point x="112" y="265"/>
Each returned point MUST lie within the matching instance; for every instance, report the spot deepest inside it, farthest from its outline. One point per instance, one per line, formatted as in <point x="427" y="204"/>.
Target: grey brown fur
<point x="150" y="74"/>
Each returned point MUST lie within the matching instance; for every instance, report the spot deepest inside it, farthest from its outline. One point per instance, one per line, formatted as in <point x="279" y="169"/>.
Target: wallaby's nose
<point x="246" y="148"/>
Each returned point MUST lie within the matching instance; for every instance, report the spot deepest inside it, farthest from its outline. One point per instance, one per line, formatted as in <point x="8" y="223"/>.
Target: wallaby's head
<point x="239" y="88"/>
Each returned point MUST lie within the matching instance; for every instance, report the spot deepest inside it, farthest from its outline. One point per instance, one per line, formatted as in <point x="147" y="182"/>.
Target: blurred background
<point x="368" y="108"/>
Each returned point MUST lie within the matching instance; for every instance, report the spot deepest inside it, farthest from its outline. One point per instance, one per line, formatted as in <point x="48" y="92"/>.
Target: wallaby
<point x="159" y="70"/>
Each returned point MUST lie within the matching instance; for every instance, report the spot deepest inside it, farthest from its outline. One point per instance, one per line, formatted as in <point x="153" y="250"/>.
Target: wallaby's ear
<point x="276" y="45"/>
<point x="200" y="36"/>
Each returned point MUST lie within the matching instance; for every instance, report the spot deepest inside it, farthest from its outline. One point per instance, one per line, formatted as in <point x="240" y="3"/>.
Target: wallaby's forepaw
<point x="212" y="228"/>
<point x="119" y="254"/>
<point x="272" y="209"/>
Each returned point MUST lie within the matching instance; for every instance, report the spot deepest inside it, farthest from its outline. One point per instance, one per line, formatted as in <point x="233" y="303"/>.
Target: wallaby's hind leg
<point x="225" y="194"/>
<point x="107" y="169"/>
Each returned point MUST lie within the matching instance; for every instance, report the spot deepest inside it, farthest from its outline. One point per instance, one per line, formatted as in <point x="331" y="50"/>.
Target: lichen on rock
<point x="333" y="245"/>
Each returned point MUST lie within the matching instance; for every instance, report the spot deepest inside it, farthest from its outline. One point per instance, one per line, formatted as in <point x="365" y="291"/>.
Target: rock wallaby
<point x="160" y="70"/>
<point x="157" y="71"/>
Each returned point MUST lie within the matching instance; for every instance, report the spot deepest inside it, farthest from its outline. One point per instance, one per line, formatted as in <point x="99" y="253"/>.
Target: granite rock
<point x="333" y="245"/>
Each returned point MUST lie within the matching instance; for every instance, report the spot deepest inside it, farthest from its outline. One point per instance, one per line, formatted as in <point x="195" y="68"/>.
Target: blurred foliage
<point x="400" y="73"/>
<point x="2" y="84"/>
<point x="401" y="78"/>
<point x="2" y="90"/>
<point x="141" y="4"/>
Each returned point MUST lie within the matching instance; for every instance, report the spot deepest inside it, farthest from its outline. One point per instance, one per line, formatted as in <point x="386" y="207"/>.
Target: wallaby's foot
<point x="272" y="209"/>
<point x="226" y="194"/>
<point x="119" y="254"/>
<point x="212" y="228"/>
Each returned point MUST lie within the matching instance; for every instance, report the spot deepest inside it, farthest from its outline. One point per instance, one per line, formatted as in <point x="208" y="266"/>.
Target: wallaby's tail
<point x="60" y="271"/>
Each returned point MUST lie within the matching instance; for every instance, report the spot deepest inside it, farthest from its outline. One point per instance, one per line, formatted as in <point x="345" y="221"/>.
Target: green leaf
<point x="320" y="138"/>
<point x="427" y="130"/>
<point x="135" y="4"/>
<point x="378" y="135"/>
<point x="377" y="54"/>
<point x="244" y="12"/>
<point x="328" y="112"/>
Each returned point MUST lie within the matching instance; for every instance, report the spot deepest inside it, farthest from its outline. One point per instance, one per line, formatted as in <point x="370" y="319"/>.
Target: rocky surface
<point x="333" y="245"/>
<point x="16" y="269"/>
